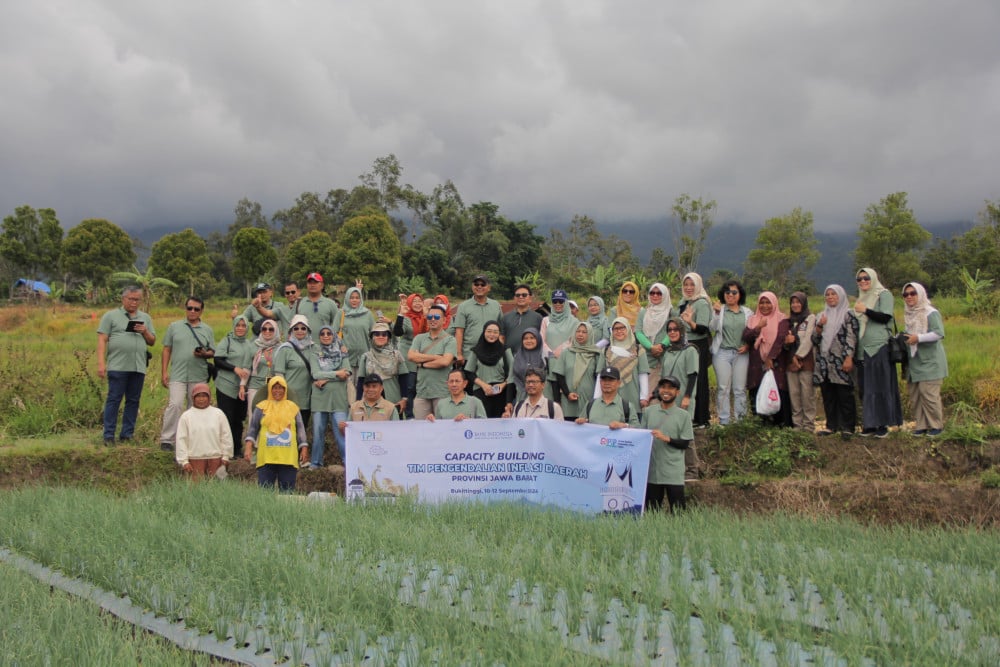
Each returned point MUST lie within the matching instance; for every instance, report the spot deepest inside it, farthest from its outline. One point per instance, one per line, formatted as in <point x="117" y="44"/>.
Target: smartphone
<point x="132" y="324"/>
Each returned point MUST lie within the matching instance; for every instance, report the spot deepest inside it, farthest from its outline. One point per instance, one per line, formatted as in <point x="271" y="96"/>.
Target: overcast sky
<point x="170" y="112"/>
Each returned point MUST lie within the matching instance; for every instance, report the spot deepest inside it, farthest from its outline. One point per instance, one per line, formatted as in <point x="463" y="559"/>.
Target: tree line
<point x="399" y="239"/>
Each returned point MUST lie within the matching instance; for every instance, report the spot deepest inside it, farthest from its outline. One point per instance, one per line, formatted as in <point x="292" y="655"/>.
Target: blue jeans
<point x="285" y="476"/>
<point x="320" y="421"/>
<point x="127" y="385"/>
<point x="731" y="373"/>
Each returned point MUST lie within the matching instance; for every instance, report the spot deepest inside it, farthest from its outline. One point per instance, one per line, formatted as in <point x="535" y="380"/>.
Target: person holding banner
<point x="610" y="409"/>
<point x="459" y="405"/>
<point x="672" y="435"/>
<point x="372" y="407"/>
<point x="433" y="353"/>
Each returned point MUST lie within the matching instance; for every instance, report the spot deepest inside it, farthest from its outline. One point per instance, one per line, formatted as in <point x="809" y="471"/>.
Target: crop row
<point x="703" y="589"/>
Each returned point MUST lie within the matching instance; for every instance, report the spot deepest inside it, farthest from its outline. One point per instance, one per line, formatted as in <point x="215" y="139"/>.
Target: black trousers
<point x="674" y="494"/>
<point x="235" y="411"/>
<point x="494" y="404"/>
<point x="838" y="404"/>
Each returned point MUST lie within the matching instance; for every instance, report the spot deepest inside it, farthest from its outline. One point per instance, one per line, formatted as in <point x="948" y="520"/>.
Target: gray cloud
<point x="171" y="112"/>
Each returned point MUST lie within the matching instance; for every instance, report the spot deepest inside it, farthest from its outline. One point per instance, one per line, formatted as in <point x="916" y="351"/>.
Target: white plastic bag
<point x="768" y="398"/>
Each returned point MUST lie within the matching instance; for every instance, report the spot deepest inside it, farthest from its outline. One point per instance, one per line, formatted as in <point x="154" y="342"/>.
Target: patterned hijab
<point x="623" y="355"/>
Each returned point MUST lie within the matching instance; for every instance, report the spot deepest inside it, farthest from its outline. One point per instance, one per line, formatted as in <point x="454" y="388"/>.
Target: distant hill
<point x="726" y="248"/>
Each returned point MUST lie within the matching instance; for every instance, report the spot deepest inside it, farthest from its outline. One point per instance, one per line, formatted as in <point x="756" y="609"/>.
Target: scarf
<point x="232" y="334"/>
<point x="769" y="334"/>
<point x="699" y="291"/>
<point x="795" y="319"/>
<point x="384" y="360"/>
<point x="487" y="353"/>
<point x="583" y="354"/>
<point x="598" y="322"/>
<point x="265" y="349"/>
<point x="915" y="318"/>
<point x="525" y="359"/>
<point x="354" y="312"/>
<point x="834" y="318"/>
<point x="869" y="298"/>
<point x="623" y="355"/>
<point x="630" y="311"/>
<point x="330" y="357"/>
<point x="560" y="328"/>
<point x="657" y="316"/>
<point x="279" y="416"/>
<point x="419" y="320"/>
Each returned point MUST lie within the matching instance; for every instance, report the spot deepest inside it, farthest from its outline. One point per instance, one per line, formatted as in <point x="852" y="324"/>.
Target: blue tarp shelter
<point x="37" y="287"/>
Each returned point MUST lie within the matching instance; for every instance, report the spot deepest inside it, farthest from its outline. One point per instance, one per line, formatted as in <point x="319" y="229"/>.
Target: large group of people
<point x="323" y="365"/>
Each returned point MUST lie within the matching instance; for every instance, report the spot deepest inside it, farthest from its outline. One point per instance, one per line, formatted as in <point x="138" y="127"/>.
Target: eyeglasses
<point x="381" y="333"/>
<point x="479" y="284"/>
<point x="655" y="292"/>
<point x="194" y="309"/>
<point x="672" y="329"/>
<point x="434" y="317"/>
<point x="628" y="290"/>
<point x="299" y="327"/>
<point x="732" y="291"/>
<point x="522" y="295"/>
<point x="618" y="328"/>
<point x="863" y="279"/>
<point x="909" y="293"/>
<point x="532" y="382"/>
<point x="267" y="329"/>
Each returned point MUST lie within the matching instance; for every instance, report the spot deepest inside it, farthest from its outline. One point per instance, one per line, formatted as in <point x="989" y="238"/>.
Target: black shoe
<point x="846" y="435"/>
<point x="166" y="446"/>
<point x="109" y="442"/>
<point x="881" y="432"/>
<point x="825" y="432"/>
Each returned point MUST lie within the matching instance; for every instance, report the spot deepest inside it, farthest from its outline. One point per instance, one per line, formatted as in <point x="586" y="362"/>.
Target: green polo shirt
<point x="184" y="366"/>
<point x="433" y="382"/>
<point x="126" y="349"/>
<point x="319" y="313"/>
<point x="666" y="463"/>
<point x="472" y="316"/>
<point x="470" y="406"/>
<point x="281" y="315"/>
<point x="501" y="371"/>
<point x="600" y="412"/>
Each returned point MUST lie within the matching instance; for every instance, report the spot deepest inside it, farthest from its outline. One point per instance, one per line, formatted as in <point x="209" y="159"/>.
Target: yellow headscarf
<point x="279" y="416"/>
<point x="630" y="311"/>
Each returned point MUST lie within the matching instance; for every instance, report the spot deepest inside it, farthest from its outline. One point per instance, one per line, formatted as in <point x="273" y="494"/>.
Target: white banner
<point x="587" y="468"/>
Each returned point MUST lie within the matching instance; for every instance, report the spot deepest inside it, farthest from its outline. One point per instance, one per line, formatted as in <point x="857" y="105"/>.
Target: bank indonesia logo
<point x="520" y="433"/>
<point x="468" y="434"/>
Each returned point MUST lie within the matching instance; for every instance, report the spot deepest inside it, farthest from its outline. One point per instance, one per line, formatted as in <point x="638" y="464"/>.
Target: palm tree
<point x="144" y="280"/>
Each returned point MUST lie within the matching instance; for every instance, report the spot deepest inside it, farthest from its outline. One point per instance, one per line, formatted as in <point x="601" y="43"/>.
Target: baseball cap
<point x="559" y="295"/>
<point x="372" y="378"/>
<point x="611" y="372"/>
<point x="260" y="287"/>
<point x="669" y="379"/>
<point x="315" y="277"/>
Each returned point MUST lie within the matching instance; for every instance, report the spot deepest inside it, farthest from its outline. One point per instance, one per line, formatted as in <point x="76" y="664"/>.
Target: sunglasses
<point x="194" y="309"/>
<point x="656" y="293"/>
<point x="909" y="293"/>
<point x="291" y="292"/>
<point x="434" y="317"/>
<point x="267" y="328"/>
<point x="863" y="279"/>
<point x="522" y="295"/>
<point x="479" y="284"/>
<point x="300" y="328"/>
<point x="628" y="290"/>
<point x="732" y="291"/>
<point x="381" y="334"/>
